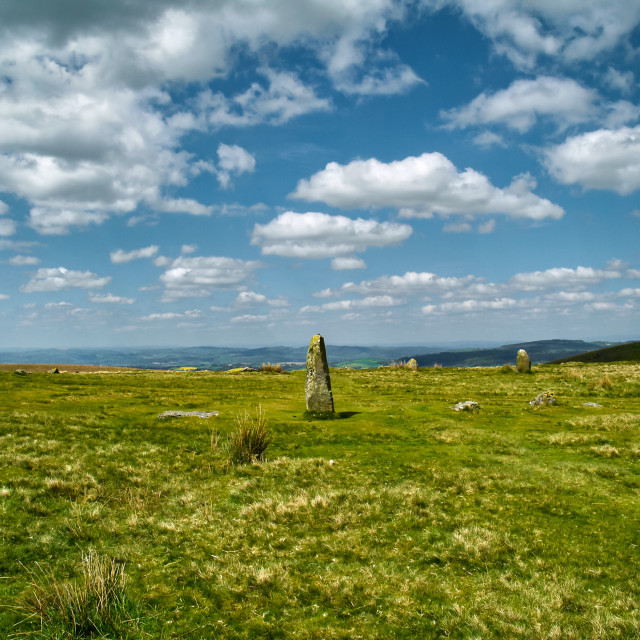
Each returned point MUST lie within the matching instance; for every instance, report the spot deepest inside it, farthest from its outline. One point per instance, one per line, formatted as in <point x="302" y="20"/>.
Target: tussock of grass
<point x="94" y="605"/>
<point x="271" y="368"/>
<point x="250" y="439"/>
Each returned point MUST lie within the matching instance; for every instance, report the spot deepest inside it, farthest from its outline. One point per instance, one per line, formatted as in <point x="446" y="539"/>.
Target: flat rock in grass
<point x="544" y="399"/>
<point x="469" y="405"/>
<point x="318" y="395"/>
<point x="595" y="405"/>
<point x="188" y="414"/>
<point x="22" y="372"/>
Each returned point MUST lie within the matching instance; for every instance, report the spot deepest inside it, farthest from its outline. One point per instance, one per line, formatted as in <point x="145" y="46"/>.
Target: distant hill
<point x="539" y="351"/>
<point x="223" y="358"/>
<point x="627" y="352"/>
<point x="211" y="358"/>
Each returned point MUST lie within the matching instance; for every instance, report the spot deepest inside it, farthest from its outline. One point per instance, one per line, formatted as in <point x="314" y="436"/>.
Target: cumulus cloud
<point x="573" y="30"/>
<point x="488" y="139"/>
<point x="422" y="186"/>
<point x="88" y="122"/>
<point x="198" y="276"/>
<point x="8" y="227"/>
<point x="233" y="161"/>
<point x="22" y="261"/>
<point x="172" y="315"/>
<point x="519" y="107"/>
<point x="469" y="306"/>
<point x="347" y="263"/>
<point x="319" y="235"/>
<point x="285" y="98"/>
<point x="61" y="278"/>
<point x="109" y="298"/>
<point x="121" y="257"/>
<point x="622" y="81"/>
<point x="386" y="81"/>
<point x="251" y="298"/>
<point x="249" y="318"/>
<point x="602" y="159"/>
<point x="561" y="277"/>
<point x="410" y="284"/>
<point x="364" y="303"/>
<point x="4" y="296"/>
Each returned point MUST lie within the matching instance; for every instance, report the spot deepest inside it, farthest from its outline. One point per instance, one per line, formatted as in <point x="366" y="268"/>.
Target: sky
<point x="253" y="172"/>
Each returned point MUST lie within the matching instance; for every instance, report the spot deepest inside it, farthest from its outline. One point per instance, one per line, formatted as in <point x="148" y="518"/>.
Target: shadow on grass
<point x="329" y="415"/>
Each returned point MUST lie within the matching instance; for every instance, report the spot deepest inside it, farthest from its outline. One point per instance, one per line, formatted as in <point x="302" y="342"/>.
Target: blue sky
<point x="251" y="172"/>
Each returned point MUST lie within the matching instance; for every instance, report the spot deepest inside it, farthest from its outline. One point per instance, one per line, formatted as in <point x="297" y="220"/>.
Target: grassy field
<point x="401" y="518"/>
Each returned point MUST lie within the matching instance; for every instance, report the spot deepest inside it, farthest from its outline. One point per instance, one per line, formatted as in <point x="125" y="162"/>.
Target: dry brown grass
<point x="271" y="368"/>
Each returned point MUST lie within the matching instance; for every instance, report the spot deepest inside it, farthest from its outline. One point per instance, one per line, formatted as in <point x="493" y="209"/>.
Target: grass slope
<point x="628" y="352"/>
<point x="399" y="519"/>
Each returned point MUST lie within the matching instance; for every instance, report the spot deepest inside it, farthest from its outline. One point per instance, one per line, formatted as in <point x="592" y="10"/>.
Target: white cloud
<point x="197" y="276"/>
<point x="8" y="227"/>
<point x="621" y="113"/>
<point x="524" y="102"/>
<point x="561" y="277"/>
<point x="387" y="81"/>
<point x="286" y="97"/>
<point x="249" y="318"/>
<point x="249" y="298"/>
<point x="487" y="227"/>
<point x="347" y="263"/>
<point x="421" y="186"/>
<point x="602" y="159"/>
<point x="469" y="306"/>
<point x="233" y="161"/>
<point x="22" y="261"/>
<point x="188" y="248"/>
<point x="162" y="261"/>
<point x="88" y="127"/>
<point x="319" y="235"/>
<point x="4" y="296"/>
<point x="171" y="315"/>
<point x="365" y="303"/>
<point x="571" y="30"/>
<point x="121" y="257"/>
<point x="621" y="81"/>
<point x="61" y="278"/>
<point x="407" y="285"/>
<point x="488" y="139"/>
<point x="54" y="221"/>
<point x="109" y="298"/>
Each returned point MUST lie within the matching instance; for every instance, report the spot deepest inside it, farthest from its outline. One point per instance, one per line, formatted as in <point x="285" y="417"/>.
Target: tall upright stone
<point x="523" y="362"/>
<point x="318" y="385"/>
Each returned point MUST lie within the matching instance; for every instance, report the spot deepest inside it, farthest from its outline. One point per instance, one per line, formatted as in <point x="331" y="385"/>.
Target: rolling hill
<point x="539" y="351"/>
<point x="627" y="352"/>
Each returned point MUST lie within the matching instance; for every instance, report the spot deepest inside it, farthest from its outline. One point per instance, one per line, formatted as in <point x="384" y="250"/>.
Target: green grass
<point x="400" y="518"/>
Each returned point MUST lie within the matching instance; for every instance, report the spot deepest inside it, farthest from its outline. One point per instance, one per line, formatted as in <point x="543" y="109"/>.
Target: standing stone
<point x="412" y="364"/>
<point x="523" y="362"/>
<point x="318" y="385"/>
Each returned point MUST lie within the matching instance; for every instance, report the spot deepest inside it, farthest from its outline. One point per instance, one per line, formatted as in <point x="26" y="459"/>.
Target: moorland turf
<point x="400" y="518"/>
